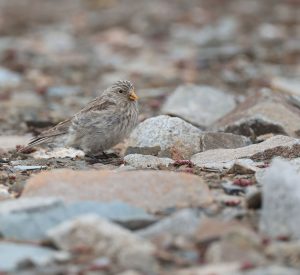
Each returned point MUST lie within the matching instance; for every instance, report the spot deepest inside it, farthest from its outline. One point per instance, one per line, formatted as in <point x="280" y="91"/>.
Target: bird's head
<point x="123" y="89"/>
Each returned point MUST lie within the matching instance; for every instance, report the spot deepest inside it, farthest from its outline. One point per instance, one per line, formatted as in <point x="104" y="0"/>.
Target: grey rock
<point x="153" y="151"/>
<point x="182" y="223"/>
<point x="290" y="86"/>
<point x="9" y="79"/>
<point x="271" y="270"/>
<point x="276" y="146"/>
<point x="175" y="137"/>
<point x="33" y="223"/>
<point x="281" y="191"/>
<point x="199" y="105"/>
<point x="28" y="167"/>
<point x="147" y="161"/>
<point x="63" y="91"/>
<point x="12" y="255"/>
<point x="262" y="113"/>
<point x="215" y="140"/>
<point x="106" y="239"/>
<point x="245" y="166"/>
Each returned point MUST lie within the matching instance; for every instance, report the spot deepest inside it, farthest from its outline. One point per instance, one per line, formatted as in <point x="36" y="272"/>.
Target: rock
<point x="9" y="79"/>
<point x="58" y="153"/>
<point x="290" y="86"/>
<point x="153" y="151"/>
<point x="215" y="140"/>
<point x="260" y="114"/>
<point x="147" y="161"/>
<point x="182" y="223"/>
<point x="199" y="105"/>
<point x="10" y="142"/>
<point x="175" y="137"/>
<point x="32" y="223"/>
<point x="240" y="245"/>
<point x="285" y="253"/>
<point x="245" y="166"/>
<point x="151" y="190"/>
<point x="12" y="255"/>
<point x="63" y="91"/>
<point x="106" y="239"/>
<point x="4" y="193"/>
<point x="28" y="167"/>
<point x="284" y="146"/>
<point x="280" y="193"/>
<point x="207" y="269"/>
<point x="271" y="270"/>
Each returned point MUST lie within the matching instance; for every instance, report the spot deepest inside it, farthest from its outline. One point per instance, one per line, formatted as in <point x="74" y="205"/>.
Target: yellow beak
<point x="133" y="96"/>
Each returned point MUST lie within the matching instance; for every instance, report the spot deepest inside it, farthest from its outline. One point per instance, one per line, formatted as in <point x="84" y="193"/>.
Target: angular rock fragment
<point x="260" y="114"/>
<point x="284" y="146"/>
<point x="105" y="239"/>
<point x="151" y="190"/>
<point x="199" y="105"/>
<point x="215" y="140"/>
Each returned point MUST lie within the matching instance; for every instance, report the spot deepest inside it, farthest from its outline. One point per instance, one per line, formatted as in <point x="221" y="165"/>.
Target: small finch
<point x="103" y="123"/>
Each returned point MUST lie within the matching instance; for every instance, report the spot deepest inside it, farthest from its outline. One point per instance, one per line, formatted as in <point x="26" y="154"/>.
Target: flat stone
<point x="215" y="140"/>
<point x="58" y="153"/>
<point x="284" y="146"/>
<point x="10" y="142"/>
<point x="199" y="105"/>
<point x="182" y="223"/>
<point x="290" y="86"/>
<point x="32" y="223"/>
<point x="175" y="137"/>
<point x="105" y="239"/>
<point x="208" y="269"/>
<point x="262" y="113"/>
<point x="147" y="161"/>
<point x="14" y="254"/>
<point x="280" y="193"/>
<point x="151" y="190"/>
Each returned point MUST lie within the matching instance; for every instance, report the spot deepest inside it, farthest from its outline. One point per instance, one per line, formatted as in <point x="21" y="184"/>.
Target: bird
<point x="101" y="124"/>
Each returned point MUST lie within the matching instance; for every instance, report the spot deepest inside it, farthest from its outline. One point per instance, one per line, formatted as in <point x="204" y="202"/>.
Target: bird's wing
<point x="58" y="130"/>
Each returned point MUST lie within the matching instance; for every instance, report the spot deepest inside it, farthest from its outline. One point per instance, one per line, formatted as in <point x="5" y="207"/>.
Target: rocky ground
<point x="208" y="182"/>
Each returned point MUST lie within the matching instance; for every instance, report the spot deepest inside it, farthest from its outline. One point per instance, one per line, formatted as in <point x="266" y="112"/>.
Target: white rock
<point x="58" y="153"/>
<point x="281" y="200"/>
<point x="147" y="161"/>
<point x="174" y="136"/>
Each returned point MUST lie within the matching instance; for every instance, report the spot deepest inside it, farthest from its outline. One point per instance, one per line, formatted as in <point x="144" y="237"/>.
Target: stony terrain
<point x="207" y="183"/>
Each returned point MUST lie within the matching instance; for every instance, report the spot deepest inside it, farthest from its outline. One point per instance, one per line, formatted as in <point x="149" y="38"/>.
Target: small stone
<point x="176" y="138"/>
<point x="284" y="146"/>
<point x="153" y="151"/>
<point x="147" y="161"/>
<point x="260" y="114"/>
<point x="151" y="190"/>
<point x="244" y="166"/>
<point x="106" y="239"/>
<point x="12" y="255"/>
<point x="187" y="100"/>
<point x="215" y="140"/>
<point x="208" y="269"/>
<point x="9" y="79"/>
<point x="58" y="153"/>
<point x="280" y="192"/>
<point x="28" y="167"/>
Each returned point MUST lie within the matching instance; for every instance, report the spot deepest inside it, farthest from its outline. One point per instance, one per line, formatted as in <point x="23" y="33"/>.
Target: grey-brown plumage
<point x="103" y="123"/>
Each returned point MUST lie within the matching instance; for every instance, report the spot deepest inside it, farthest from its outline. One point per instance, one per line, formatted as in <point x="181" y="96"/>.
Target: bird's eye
<point x="121" y="91"/>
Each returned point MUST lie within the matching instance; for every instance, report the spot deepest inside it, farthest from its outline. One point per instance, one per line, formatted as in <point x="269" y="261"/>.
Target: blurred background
<point x="55" y="55"/>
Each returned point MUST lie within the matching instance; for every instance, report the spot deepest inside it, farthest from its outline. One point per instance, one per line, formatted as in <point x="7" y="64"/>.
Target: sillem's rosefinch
<point x="103" y="123"/>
